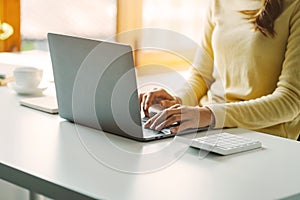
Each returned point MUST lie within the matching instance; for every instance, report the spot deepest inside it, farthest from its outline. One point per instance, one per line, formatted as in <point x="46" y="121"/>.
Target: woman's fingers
<point x="168" y="122"/>
<point x="165" y="118"/>
<point x="168" y="103"/>
<point x="186" y="116"/>
<point x="181" y="127"/>
<point x="149" y="99"/>
<point x="141" y="97"/>
<point x="143" y="105"/>
<point x="155" y="97"/>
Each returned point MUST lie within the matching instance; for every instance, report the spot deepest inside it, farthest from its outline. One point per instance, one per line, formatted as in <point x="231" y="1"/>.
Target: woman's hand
<point x="186" y="117"/>
<point x="157" y="96"/>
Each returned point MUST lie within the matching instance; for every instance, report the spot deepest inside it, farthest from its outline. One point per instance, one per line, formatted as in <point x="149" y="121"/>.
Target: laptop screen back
<point x="96" y="84"/>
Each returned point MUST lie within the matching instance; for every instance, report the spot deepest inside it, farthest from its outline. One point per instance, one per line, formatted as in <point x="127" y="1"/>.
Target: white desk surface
<point x="45" y="146"/>
<point x="44" y="153"/>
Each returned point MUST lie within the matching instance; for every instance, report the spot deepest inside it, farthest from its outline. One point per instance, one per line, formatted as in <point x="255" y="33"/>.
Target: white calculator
<point x="225" y="143"/>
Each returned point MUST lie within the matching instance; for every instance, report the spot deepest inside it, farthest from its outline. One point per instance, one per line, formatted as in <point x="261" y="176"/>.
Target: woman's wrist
<point x="207" y="117"/>
<point x="212" y="118"/>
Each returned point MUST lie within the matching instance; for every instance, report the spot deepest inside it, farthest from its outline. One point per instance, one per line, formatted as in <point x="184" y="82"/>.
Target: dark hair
<point x="263" y="18"/>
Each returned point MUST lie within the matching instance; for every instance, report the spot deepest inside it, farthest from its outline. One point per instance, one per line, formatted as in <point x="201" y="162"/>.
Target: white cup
<point x="28" y="77"/>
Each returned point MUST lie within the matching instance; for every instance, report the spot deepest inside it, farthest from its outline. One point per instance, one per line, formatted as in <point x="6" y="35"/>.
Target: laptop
<point x="96" y="86"/>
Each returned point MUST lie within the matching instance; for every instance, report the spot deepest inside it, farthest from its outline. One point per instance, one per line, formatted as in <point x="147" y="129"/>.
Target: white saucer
<point x="26" y="91"/>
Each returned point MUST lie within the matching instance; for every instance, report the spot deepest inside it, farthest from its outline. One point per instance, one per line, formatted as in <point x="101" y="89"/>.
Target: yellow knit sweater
<point x="246" y="79"/>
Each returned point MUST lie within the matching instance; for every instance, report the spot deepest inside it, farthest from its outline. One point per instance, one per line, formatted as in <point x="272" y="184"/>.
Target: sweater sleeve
<point x="283" y="105"/>
<point x="200" y="73"/>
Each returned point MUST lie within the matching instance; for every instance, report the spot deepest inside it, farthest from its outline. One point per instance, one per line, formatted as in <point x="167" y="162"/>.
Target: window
<point x="178" y="15"/>
<point x="183" y="17"/>
<point x="85" y="18"/>
<point x="104" y="18"/>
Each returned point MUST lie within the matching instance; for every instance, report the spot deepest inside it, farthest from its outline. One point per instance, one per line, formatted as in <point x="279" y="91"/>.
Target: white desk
<point x="43" y="153"/>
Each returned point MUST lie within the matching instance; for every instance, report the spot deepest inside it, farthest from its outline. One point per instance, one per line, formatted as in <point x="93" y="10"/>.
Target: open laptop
<point x="96" y="86"/>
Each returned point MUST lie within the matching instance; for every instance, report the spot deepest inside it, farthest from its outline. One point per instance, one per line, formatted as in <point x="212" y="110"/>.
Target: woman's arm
<point x="283" y="105"/>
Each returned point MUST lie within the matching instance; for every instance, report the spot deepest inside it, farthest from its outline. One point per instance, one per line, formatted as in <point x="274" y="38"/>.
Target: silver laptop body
<point x="96" y="86"/>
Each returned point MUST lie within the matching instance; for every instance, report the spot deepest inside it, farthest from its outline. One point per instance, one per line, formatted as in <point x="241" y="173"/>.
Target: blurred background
<point x="101" y="19"/>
